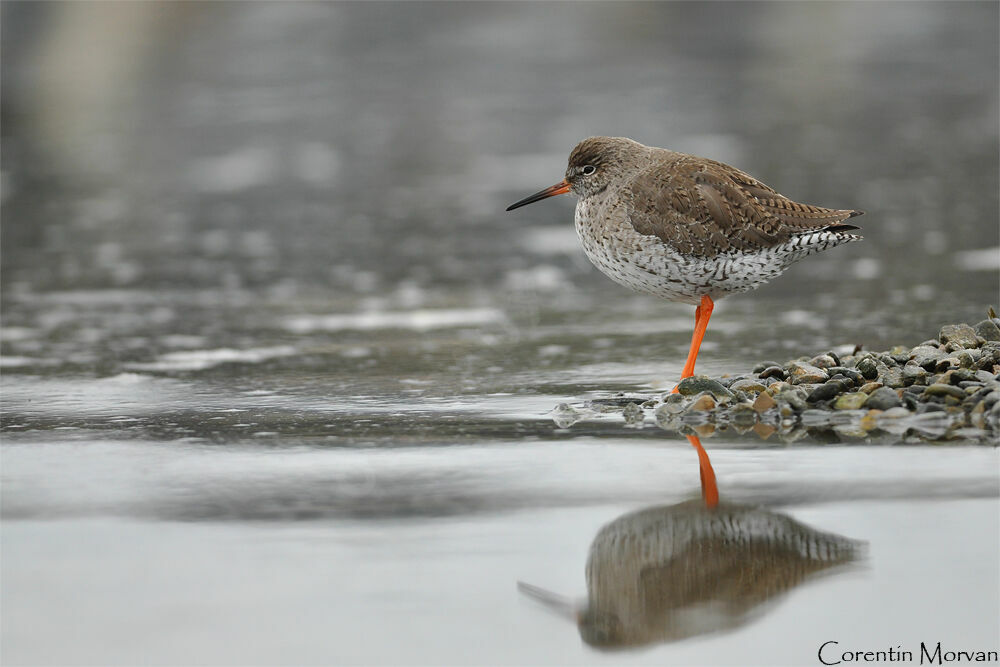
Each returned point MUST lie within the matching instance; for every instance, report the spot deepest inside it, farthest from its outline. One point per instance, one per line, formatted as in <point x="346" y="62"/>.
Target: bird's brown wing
<point x="702" y="208"/>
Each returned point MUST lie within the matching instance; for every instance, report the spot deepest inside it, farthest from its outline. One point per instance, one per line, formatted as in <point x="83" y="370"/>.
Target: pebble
<point x="703" y="403"/>
<point x="823" y="361"/>
<point x="913" y="373"/>
<point x="777" y="388"/>
<point x="891" y="376"/>
<point x="634" y="416"/>
<point x="987" y="330"/>
<point x="747" y="385"/>
<point x="698" y="383"/>
<point x="852" y="401"/>
<point x="803" y="373"/>
<point x="926" y="356"/>
<point x="968" y="358"/>
<point x="774" y="371"/>
<point x="765" y="365"/>
<point x="883" y="399"/>
<point x="826" y="391"/>
<point x="946" y="363"/>
<point x="959" y="334"/>
<point x="857" y="378"/>
<point x="944" y="390"/>
<point x="868" y="368"/>
<point x="983" y="376"/>
<point x="763" y="403"/>
<point x="565" y="415"/>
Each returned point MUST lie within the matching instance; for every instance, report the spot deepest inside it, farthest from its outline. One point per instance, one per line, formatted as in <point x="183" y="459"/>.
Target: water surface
<point x="279" y="373"/>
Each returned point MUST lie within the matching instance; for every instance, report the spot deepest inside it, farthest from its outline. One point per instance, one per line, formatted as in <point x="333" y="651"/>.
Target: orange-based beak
<point x="560" y="188"/>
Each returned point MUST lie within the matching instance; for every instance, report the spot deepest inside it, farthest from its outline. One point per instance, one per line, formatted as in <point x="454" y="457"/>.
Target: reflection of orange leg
<point x="709" y="490"/>
<point x="701" y="316"/>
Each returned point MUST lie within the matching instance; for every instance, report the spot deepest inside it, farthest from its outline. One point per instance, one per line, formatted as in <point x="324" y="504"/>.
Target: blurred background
<point x="256" y="268"/>
<point x="356" y="152"/>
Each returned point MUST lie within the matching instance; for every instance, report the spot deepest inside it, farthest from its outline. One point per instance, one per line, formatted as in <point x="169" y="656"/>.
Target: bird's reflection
<point x="666" y="573"/>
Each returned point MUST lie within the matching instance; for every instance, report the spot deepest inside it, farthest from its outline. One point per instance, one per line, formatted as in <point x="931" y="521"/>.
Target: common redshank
<point x="687" y="228"/>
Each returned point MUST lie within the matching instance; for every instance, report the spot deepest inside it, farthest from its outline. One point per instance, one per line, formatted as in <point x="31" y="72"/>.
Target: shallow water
<point x="279" y="375"/>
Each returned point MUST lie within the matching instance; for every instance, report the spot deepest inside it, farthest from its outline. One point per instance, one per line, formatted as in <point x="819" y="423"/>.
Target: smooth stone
<point x="633" y="414"/>
<point x="868" y="368"/>
<point x="823" y="361"/>
<point x="886" y="359"/>
<point x="772" y="371"/>
<point x="944" y="390"/>
<point x="892" y="377"/>
<point x="667" y="411"/>
<point x="960" y="334"/>
<point x="794" y="399"/>
<point x="852" y="401"/>
<point x="763" y="403"/>
<point x="778" y="387"/>
<point x="803" y="373"/>
<point x="856" y="377"/>
<point x="883" y="399"/>
<point x="703" y="403"/>
<point x="984" y="376"/>
<point x="738" y="397"/>
<point x="985" y="363"/>
<point x="826" y="391"/>
<point x="869" y="387"/>
<point x="987" y="330"/>
<point x="913" y="373"/>
<point x="946" y="363"/>
<point x="747" y="385"/>
<point x="786" y="410"/>
<point x="968" y="358"/>
<point x="764" y="365"/>
<point x="926" y="356"/>
<point x="696" y="384"/>
<point x="565" y="415"/>
<point x="962" y="375"/>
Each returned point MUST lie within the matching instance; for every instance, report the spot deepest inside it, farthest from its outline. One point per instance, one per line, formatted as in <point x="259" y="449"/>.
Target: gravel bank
<point x="944" y="389"/>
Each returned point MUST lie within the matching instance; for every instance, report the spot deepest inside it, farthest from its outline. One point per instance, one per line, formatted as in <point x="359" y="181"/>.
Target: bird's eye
<point x="589" y="169"/>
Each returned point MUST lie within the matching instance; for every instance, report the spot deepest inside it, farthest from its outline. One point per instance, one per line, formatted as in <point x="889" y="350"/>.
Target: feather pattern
<point x="704" y="208"/>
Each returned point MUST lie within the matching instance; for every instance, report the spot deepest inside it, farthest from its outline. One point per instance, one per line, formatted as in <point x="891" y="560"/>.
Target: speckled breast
<point x="649" y="265"/>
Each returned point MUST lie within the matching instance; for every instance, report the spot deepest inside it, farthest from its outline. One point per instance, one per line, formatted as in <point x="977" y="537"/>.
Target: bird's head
<point x="594" y="164"/>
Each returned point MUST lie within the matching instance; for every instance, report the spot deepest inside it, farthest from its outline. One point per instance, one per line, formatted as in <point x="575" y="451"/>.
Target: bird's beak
<point x="560" y="188"/>
<point x="560" y="605"/>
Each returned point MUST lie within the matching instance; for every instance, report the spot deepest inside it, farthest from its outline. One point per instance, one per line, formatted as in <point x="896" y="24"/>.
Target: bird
<point x="686" y="228"/>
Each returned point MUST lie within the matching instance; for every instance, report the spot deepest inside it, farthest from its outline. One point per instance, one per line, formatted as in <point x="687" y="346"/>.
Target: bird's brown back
<point x="702" y="208"/>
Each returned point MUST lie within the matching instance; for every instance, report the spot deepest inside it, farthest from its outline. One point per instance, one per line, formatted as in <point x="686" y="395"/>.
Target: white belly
<point x="647" y="264"/>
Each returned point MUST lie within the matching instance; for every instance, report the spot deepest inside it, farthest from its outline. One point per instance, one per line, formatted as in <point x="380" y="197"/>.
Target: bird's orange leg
<point x="701" y="314"/>
<point x="709" y="490"/>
